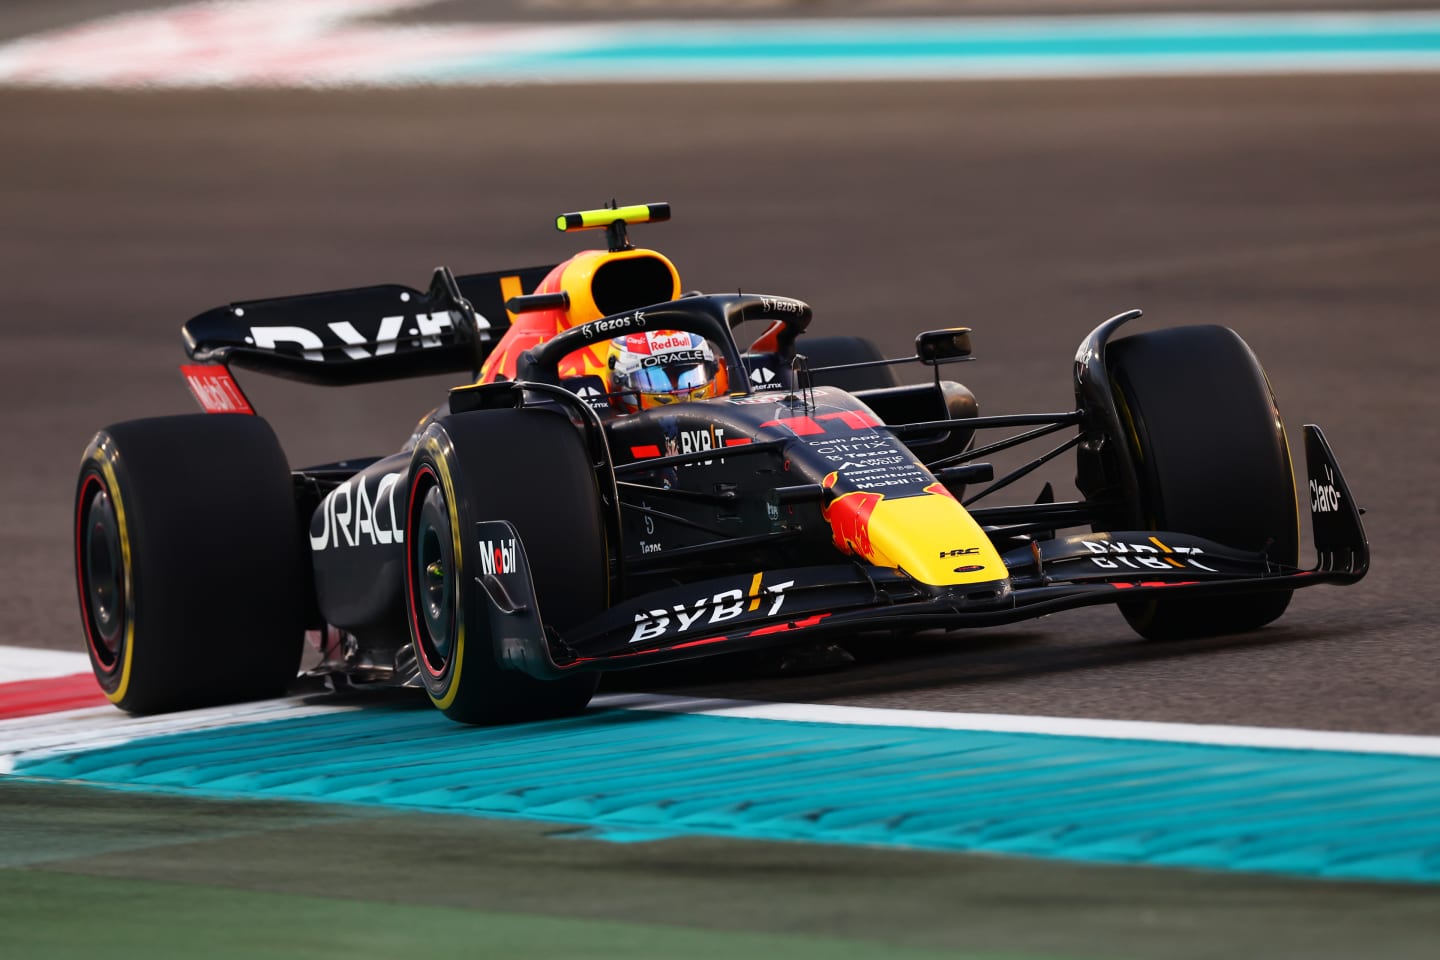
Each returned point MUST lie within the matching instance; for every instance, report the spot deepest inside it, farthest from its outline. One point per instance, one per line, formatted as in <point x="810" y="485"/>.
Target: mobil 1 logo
<point x="498" y="556"/>
<point x="497" y="549"/>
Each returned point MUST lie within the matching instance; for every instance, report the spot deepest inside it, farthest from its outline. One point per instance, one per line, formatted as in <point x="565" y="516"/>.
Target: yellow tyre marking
<point x="1146" y="616"/>
<point x="1123" y="408"/>
<point x="442" y="466"/>
<point x="108" y="470"/>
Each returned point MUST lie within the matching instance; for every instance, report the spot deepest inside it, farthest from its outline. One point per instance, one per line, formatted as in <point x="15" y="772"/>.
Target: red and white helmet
<point x="659" y="367"/>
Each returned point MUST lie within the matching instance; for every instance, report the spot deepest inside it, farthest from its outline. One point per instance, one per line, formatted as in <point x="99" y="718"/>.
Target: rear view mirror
<point x="934" y="347"/>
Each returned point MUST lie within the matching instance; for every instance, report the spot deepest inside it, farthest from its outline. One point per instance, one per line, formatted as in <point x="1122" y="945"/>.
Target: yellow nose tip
<point x="933" y="539"/>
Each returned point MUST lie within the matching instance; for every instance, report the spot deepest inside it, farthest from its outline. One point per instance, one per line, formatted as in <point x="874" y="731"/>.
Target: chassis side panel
<point x="357" y="548"/>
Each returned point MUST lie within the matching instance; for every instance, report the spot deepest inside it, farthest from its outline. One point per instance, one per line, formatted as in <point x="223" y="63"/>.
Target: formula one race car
<point x="620" y="484"/>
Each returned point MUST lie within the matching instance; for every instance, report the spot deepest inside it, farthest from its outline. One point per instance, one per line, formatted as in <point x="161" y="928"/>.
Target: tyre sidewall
<point x="431" y="469"/>
<point x="837" y="351"/>
<point x="1212" y="459"/>
<point x="212" y="556"/>
<point x="521" y="466"/>
<point x="1225" y="474"/>
<point x="112" y="669"/>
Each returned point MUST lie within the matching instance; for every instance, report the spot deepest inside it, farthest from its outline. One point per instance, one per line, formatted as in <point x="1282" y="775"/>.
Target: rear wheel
<point x="835" y="351"/>
<point x="528" y="467"/>
<point x="1212" y="460"/>
<point x="188" y="562"/>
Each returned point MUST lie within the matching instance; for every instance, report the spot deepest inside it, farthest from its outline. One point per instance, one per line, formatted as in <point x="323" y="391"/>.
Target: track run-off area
<point x="643" y="766"/>
<point x="336" y="42"/>
<point x="1056" y="789"/>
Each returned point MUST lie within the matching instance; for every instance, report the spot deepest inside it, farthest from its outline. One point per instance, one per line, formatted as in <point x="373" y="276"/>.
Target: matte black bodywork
<point x="716" y="509"/>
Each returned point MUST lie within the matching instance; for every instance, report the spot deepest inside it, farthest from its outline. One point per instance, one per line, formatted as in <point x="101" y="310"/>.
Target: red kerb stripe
<point x="29" y="698"/>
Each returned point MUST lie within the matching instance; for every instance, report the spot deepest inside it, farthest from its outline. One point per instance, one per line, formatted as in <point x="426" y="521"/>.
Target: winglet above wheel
<point x="503" y="573"/>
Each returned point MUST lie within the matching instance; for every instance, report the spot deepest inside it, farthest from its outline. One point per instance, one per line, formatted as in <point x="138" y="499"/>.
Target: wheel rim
<point x="434" y="594"/>
<point x="103" y="564"/>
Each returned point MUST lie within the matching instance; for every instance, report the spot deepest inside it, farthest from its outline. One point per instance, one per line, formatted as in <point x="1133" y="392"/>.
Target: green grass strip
<point x="61" y="915"/>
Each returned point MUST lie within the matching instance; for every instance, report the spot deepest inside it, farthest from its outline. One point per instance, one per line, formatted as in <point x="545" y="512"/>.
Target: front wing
<point x="771" y="607"/>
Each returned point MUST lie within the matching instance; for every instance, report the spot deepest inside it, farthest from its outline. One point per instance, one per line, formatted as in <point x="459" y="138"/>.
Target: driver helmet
<point x="660" y="367"/>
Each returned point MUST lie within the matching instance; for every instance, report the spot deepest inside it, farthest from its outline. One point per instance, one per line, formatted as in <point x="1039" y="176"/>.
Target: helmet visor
<point x="674" y="378"/>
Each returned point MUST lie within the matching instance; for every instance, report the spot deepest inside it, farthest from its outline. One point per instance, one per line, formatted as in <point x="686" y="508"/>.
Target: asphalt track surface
<point x="1304" y="213"/>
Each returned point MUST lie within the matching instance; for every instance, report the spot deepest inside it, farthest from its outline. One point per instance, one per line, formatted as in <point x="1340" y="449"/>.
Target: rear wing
<point x="365" y="334"/>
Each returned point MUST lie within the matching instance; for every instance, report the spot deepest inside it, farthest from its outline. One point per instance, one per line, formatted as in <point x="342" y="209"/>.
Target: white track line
<point x="1214" y="734"/>
<point x="93" y="727"/>
<point x="24" y="663"/>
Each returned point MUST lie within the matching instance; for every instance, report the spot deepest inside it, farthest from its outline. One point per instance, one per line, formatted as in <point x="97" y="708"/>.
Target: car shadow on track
<point x="885" y="665"/>
<point x="955" y="671"/>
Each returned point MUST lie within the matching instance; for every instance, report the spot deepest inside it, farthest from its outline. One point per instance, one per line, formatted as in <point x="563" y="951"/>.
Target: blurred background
<point x="167" y="158"/>
<point x="1027" y="168"/>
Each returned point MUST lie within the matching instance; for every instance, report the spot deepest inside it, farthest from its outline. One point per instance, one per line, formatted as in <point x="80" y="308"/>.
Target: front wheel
<point x="1212" y="460"/>
<point x="528" y="467"/>
<point x="837" y="351"/>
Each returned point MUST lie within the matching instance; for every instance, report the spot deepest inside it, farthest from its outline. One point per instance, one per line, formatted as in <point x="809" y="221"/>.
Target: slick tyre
<point x="1212" y="460"/>
<point x="188" y="562"/>
<point x="834" y="351"/>
<point x="531" y="468"/>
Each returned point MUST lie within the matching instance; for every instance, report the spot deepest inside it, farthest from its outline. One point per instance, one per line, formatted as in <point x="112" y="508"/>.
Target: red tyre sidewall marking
<point x="417" y="628"/>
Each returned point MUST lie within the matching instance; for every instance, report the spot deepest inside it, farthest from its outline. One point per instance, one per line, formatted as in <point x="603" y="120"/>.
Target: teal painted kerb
<point x="964" y="45"/>
<point x="641" y="775"/>
<point x="884" y="47"/>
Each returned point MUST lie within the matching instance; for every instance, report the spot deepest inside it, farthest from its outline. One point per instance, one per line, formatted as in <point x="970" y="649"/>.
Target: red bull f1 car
<point x="619" y="482"/>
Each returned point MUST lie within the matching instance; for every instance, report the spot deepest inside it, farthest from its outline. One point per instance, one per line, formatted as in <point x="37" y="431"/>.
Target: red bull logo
<point x="849" y="519"/>
<point x="664" y="340"/>
<point x="939" y="490"/>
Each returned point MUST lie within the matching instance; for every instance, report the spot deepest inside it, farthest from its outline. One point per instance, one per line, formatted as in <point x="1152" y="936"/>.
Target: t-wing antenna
<point x="613" y="219"/>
